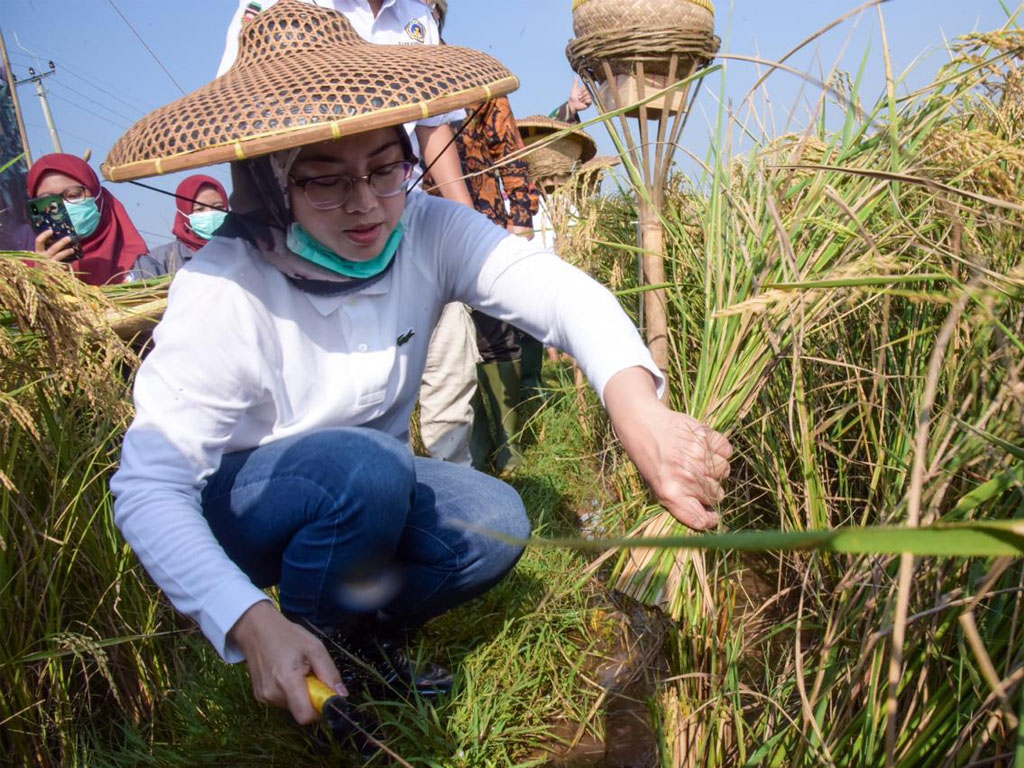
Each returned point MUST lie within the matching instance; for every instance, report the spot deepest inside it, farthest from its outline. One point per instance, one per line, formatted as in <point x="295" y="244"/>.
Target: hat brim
<point x="536" y="127"/>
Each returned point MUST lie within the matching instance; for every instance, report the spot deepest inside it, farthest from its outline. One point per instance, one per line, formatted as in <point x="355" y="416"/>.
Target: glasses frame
<point x="304" y="183"/>
<point x="76" y="198"/>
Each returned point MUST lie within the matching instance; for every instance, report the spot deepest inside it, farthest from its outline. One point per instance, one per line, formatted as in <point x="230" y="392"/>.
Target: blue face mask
<point x="205" y="223"/>
<point x="84" y="215"/>
<point x="302" y="243"/>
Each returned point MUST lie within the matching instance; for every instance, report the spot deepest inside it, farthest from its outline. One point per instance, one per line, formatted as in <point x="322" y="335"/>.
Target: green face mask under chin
<point x="300" y="242"/>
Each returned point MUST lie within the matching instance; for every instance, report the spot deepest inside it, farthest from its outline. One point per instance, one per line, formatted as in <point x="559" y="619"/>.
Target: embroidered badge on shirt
<point x="405" y="337"/>
<point x="415" y="30"/>
<point x="252" y="10"/>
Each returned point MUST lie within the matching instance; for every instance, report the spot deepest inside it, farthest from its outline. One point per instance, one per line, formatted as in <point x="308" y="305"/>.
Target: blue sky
<point x="106" y="79"/>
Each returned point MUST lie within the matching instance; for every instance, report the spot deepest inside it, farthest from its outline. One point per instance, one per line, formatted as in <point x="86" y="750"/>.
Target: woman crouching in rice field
<point x="270" y="444"/>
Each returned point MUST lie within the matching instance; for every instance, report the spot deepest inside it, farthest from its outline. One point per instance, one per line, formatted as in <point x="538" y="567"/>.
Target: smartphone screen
<point x="49" y="212"/>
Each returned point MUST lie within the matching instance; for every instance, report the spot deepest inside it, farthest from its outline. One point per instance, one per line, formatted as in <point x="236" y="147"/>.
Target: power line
<point x="119" y="126"/>
<point x="103" y="90"/>
<point x="88" y="142"/>
<point x="155" y="57"/>
<point x="93" y="101"/>
<point x="165" y="236"/>
<point x="92" y="80"/>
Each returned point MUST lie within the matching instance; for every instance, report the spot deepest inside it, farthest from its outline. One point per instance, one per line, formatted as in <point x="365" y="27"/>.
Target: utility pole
<point x="12" y="87"/>
<point x="38" y="80"/>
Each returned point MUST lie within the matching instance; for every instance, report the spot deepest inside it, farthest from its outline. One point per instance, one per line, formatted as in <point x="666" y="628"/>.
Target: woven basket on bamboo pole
<point x="626" y="47"/>
<point x="553" y="161"/>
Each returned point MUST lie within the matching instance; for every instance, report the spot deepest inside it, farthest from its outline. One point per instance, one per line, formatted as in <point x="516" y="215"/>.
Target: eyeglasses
<point x="328" y="192"/>
<point x="75" y="194"/>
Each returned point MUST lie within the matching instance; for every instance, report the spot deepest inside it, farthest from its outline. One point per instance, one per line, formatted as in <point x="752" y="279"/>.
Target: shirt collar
<point x="327" y="305"/>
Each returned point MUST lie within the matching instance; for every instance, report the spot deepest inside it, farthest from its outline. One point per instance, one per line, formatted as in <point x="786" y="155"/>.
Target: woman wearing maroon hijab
<point x="109" y="241"/>
<point x="202" y="205"/>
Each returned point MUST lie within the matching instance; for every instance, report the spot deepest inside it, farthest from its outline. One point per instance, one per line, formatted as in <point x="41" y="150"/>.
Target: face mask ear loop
<point x="465" y="124"/>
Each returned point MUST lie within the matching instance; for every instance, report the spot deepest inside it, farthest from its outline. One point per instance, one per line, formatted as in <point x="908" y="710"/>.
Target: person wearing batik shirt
<point x="487" y="138"/>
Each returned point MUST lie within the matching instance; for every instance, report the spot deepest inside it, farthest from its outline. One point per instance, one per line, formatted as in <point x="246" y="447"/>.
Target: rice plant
<point x="852" y="317"/>
<point x="77" y="638"/>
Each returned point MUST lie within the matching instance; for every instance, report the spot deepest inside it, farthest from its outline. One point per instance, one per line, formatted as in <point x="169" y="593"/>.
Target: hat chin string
<point x="465" y="124"/>
<point x="281" y="165"/>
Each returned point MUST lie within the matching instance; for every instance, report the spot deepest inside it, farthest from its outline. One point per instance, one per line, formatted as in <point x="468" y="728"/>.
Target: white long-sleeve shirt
<point x="243" y="357"/>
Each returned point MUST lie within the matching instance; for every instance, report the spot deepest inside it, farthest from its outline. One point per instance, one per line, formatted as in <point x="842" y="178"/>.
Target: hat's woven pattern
<point x="303" y="75"/>
<point x="703" y="3"/>
<point x="558" y="157"/>
<point x="642" y="30"/>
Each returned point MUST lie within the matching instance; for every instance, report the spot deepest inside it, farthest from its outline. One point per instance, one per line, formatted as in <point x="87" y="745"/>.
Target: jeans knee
<point x="507" y="517"/>
<point x="514" y="514"/>
<point x="364" y="464"/>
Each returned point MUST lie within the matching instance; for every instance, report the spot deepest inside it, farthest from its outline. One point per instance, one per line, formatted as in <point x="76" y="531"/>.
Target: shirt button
<point x="362" y="347"/>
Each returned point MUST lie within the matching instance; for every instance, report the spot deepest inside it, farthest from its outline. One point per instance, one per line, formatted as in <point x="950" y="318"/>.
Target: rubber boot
<point x="500" y="383"/>
<point x="481" y="441"/>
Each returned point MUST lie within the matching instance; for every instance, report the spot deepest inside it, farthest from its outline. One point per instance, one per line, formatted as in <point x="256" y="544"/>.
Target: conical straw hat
<point x="302" y="76"/>
<point x="553" y="161"/>
<point x="536" y="127"/>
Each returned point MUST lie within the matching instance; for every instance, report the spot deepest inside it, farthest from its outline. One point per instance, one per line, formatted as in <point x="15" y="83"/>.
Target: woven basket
<point x="558" y="158"/>
<point x="590" y="175"/>
<point x="625" y="89"/>
<point x="625" y="31"/>
<point x="303" y="75"/>
<point x="591" y="16"/>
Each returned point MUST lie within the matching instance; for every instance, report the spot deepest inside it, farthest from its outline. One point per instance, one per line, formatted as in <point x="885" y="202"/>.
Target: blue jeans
<point x="347" y="522"/>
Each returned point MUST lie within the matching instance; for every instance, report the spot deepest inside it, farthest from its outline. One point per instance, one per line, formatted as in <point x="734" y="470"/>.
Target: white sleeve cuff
<point x="599" y="375"/>
<point x="221" y="613"/>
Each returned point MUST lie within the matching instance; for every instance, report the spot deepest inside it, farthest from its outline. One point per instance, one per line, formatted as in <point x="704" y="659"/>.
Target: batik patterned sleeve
<point x="503" y="138"/>
<point x="565" y="113"/>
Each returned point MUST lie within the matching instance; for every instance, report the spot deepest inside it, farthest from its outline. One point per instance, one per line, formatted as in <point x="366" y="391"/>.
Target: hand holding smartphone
<point x="48" y="214"/>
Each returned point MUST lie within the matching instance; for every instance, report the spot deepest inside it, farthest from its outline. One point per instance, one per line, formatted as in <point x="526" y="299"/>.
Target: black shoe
<point x="376" y="663"/>
<point x="424" y="677"/>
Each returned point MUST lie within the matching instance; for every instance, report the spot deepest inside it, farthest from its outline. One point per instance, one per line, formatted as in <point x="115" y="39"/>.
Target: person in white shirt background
<point x="270" y="442"/>
<point x="449" y="378"/>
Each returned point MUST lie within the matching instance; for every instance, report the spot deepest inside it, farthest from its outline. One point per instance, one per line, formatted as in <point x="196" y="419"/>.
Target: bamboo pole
<point x="12" y="86"/>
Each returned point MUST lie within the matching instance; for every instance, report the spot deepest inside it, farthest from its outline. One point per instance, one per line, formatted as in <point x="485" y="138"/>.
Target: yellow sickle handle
<point x="319" y="693"/>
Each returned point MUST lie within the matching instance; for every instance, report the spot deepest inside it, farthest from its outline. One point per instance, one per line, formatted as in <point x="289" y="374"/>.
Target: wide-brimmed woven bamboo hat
<point x="553" y="160"/>
<point x="303" y="75"/>
<point x="577" y="147"/>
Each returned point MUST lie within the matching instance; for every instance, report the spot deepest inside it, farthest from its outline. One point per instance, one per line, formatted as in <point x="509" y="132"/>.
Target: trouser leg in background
<point x="499" y="380"/>
<point x="449" y="383"/>
<point x="499" y="384"/>
<point x="533" y="360"/>
<point x="349" y="523"/>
